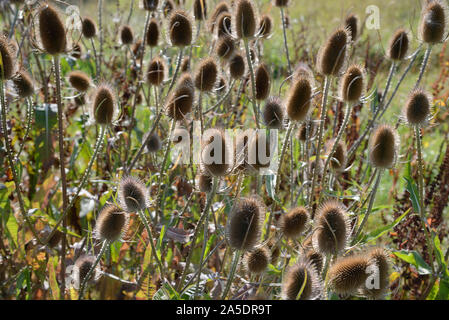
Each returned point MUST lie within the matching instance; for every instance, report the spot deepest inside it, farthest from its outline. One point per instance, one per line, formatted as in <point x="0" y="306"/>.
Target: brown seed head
<point x="206" y="75"/>
<point x="180" y="28"/>
<point x="398" y="46"/>
<point x="103" y="107"/>
<point x="224" y="25"/>
<point x="302" y="132"/>
<point x="205" y="183"/>
<point x="219" y="9"/>
<point x="333" y="53"/>
<point x="348" y="274"/>
<point x="132" y="194"/>
<point x="237" y="66"/>
<point x="111" y="223"/>
<point x="181" y="99"/>
<point x="215" y="154"/>
<point x="89" y="29"/>
<point x="79" y="80"/>
<point x="301" y="276"/>
<point x="294" y="222"/>
<point x="23" y="84"/>
<point x="200" y="9"/>
<point x="384" y="146"/>
<point x="265" y="26"/>
<point x="185" y="65"/>
<point x="152" y="33"/>
<point x="339" y="158"/>
<point x="150" y="5"/>
<point x="263" y="82"/>
<point x="257" y="260"/>
<point x="126" y="35"/>
<point x="352" y="84"/>
<point x="225" y="47"/>
<point x="51" y="30"/>
<point x="273" y="113"/>
<point x="299" y="99"/>
<point x="380" y="262"/>
<point x="82" y="267"/>
<point x="154" y="143"/>
<point x="433" y="22"/>
<point x="244" y="19"/>
<point x="156" y="71"/>
<point x="281" y="3"/>
<point x="417" y="110"/>
<point x="352" y="22"/>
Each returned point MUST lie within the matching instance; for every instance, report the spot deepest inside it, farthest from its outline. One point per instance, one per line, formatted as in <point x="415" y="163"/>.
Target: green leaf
<point x="270" y="183"/>
<point x="52" y="264"/>
<point x="209" y="244"/>
<point x="159" y="242"/>
<point x="440" y="255"/>
<point x="414" y="196"/>
<point x="443" y="291"/>
<point x="373" y="235"/>
<point x="13" y="228"/>
<point x="415" y="259"/>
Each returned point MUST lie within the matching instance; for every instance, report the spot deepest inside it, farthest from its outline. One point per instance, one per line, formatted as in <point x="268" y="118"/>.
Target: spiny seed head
<point x="82" y="267"/>
<point x="257" y="260"/>
<point x="206" y="75"/>
<point x="185" y="65"/>
<point x="154" y="143"/>
<point x="303" y="135"/>
<point x="352" y="22"/>
<point x="205" y="183"/>
<point x="384" y="146"/>
<point x="156" y="71"/>
<point x="237" y="66"/>
<point x="88" y="28"/>
<point x="380" y="263"/>
<point x="224" y="25"/>
<point x="316" y="259"/>
<point x="301" y="276"/>
<point x="126" y="35"/>
<point x="294" y="222"/>
<point x="299" y="99"/>
<point x="23" y="84"/>
<point x="333" y="53"/>
<point x="273" y="113"/>
<point x="263" y="82"/>
<point x="225" y="47"/>
<point x="259" y="150"/>
<point x="417" y="110"/>
<point x="152" y="33"/>
<point x="79" y="80"/>
<point x="168" y="7"/>
<point x="150" y="5"/>
<point x="200" y="9"/>
<point x="433" y="21"/>
<point x="265" y="26"/>
<point x="111" y="223"/>
<point x="245" y="224"/>
<point x="77" y="51"/>
<point x="332" y="228"/>
<point x="352" y="84"/>
<point x="215" y="155"/>
<point x="348" y="274"/>
<point x="244" y="19"/>
<point x="398" y="46"/>
<point x="180" y="28"/>
<point x="133" y="194"/>
<point x="103" y="107"/>
<point x="219" y="9"/>
<point x="181" y="99"/>
<point x="281" y="3"/>
<point x="339" y="158"/>
<point x="51" y="30"/>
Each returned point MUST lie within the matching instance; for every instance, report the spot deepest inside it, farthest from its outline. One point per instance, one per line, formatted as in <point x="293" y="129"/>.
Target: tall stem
<point x="424" y="65"/>
<point x="327" y="81"/>
<point x="28" y="126"/>
<point x="100" y="27"/>
<point x="235" y="262"/>
<point x="285" y="41"/>
<point x="253" y="83"/>
<point x="178" y="66"/>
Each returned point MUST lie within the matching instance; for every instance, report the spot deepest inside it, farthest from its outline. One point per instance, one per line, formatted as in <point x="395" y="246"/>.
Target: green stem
<point x="178" y="66"/>
<point x="424" y="65"/>
<point x="253" y="83"/>
<point x="235" y="262"/>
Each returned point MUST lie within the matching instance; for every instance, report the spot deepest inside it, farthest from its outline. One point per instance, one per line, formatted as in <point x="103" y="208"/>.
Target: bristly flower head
<point x="244" y="19"/>
<point x="299" y="99"/>
<point x="384" y="147"/>
<point x="433" y="27"/>
<point x="133" y="194"/>
<point x="352" y="23"/>
<point x="104" y="104"/>
<point x="352" y="84"/>
<point x="219" y="9"/>
<point x="257" y="260"/>
<point x="89" y="29"/>
<point x="294" y="222"/>
<point x="216" y="153"/>
<point x="237" y="66"/>
<point x="273" y="113"/>
<point x="263" y="82"/>
<point x="156" y="71"/>
<point x="398" y="46"/>
<point x="126" y="35"/>
<point x="418" y="108"/>
<point x="301" y="276"/>
<point x="81" y="268"/>
<point x="225" y="47"/>
<point x="152" y="39"/>
<point x="206" y="75"/>
<point x="180" y="29"/>
<point x="339" y="158"/>
<point x="79" y="80"/>
<point x="181" y="99"/>
<point x="200" y="10"/>
<point x="52" y="32"/>
<point x="111" y="223"/>
<point x="348" y="274"/>
<point x="333" y="54"/>
<point x="265" y="26"/>
<point x="23" y="84"/>
<point x="380" y="263"/>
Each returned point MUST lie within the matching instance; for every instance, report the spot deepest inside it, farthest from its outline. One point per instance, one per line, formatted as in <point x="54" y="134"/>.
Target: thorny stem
<point x="91" y="270"/>
<point x="178" y="66"/>
<point x="253" y="83"/>
<point x="97" y="62"/>
<point x="28" y="127"/>
<point x="424" y="65"/>
<point x="235" y="262"/>
<point x="285" y="41"/>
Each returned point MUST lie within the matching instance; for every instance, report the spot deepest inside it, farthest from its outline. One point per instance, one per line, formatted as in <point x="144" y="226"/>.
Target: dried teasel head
<point x="244" y="19"/>
<point x="418" y="107"/>
<point x="301" y="282"/>
<point x="352" y="84"/>
<point x="76" y="51"/>
<point x="225" y="47"/>
<point x="79" y="80"/>
<point x="81" y="269"/>
<point x="88" y="28"/>
<point x="299" y="99"/>
<point x="224" y="25"/>
<point x="260" y="151"/>
<point x="133" y="194"/>
<point x="104" y="104"/>
<point x="126" y="35"/>
<point x="200" y="10"/>
<point x="185" y="65"/>
<point x="273" y="113"/>
<point x="332" y="228"/>
<point x="152" y="38"/>
<point x="263" y="82"/>
<point x="219" y="9"/>
<point x="257" y="260"/>
<point x="52" y="33"/>
<point x="205" y="183"/>
<point x="181" y="99"/>
<point x="379" y="266"/>
<point x="315" y="258"/>
<point x="384" y="147"/>
<point x="307" y="130"/>
<point x="206" y="75"/>
<point x="433" y="26"/>
<point x="180" y="29"/>
<point x="111" y="223"/>
<point x="154" y="143"/>
<point x="150" y="5"/>
<point x="398" y="46"/>
<point x="352" y="25"/>
<point x="23" y="84"/>
<point x="265" y="26"/>
<point x="281" y="3"/>
<point x="156" y="71"/>
<point x="215" y="154"/>
<point x="237" y="66"/>
<point x="245" y="224"/>
<point x="348" y="274"/>
<point x="339" y="158"/>
<point x="333" y="54"/>
<point x="294" y="222"/>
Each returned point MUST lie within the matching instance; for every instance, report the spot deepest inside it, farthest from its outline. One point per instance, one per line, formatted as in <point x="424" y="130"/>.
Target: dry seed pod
<point x="273" y="113"/>
<point x="265" y="26"/>
<point x="244" y="19"/>
<point x="294" y="222"/>
<point x="433" y="22"/>
<point x="380" y="262"/>
<point x="152" y="38"/>
<point x="215" y="154"/>
<point x="206" y="75"/>
<point x="352" y="22"/>
<point x="281" y="3"/>
<point x="237" y="66"/>
<point x="257" y="260"/>
<point x="137" y="49"/>
<point x="333" y="53"/>
<point x="200" y="10"/>
<point x="303" y="134"/>
<point x="205" y="183"/>
<point x="398" y="46"/>
<point x="347" y="275"/>
<point x="181" y="99"/>
<point x="79" y="80"/>
<point x="219" y="9"/>
<point x="133" y="194"/>
<point x="51" y="30"/>
<point x="23" y="84"/>
<point x="88" y="28"/>
<point x="150" y="5"/>
<point x="103" y="107"/>
<point x="383" y="147"/>
<point x="263" y="82"/>
<point x="316" y="259"/>
<point x="111" y="223"/>
<point x="185" y="65"/>
<point x="82" y="267"/>
<point x="180" y="29"/>
<point x="299" y="99"/>
<point x="301" y="276"/>
<point x="224" y="25"/>
<point x="332" y="228"/>
<point x="225" y="47"/>
<point x="339" y="158"/>
<point x="156" y="71"/>
<point x="245" y="224"/>
<point x="352" y="84"/>
<point x="126" y="35"/>
<point x="417" y="110"/>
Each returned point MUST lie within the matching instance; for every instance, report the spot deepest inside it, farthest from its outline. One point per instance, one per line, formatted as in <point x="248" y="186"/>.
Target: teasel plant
<point x="282" y="4"/>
